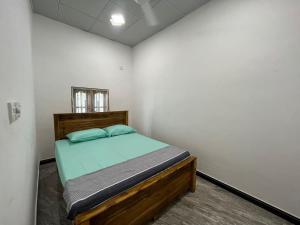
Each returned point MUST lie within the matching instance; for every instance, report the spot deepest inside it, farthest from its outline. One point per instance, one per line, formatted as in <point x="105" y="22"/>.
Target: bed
<point x="126" y="179"/>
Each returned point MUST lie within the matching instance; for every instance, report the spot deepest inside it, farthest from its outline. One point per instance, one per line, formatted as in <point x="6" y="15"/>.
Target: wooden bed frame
<point x="141" y="203"/>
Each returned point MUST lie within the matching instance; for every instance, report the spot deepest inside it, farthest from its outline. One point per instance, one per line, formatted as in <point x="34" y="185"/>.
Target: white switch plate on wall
<point x="14" y="111"/>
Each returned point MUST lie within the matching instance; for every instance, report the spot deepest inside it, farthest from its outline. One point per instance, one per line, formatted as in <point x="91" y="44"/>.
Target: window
<point x="89" y="100"/>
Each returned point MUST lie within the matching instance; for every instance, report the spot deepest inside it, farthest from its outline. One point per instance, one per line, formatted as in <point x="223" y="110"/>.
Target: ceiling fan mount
<point x="148" y="12"/>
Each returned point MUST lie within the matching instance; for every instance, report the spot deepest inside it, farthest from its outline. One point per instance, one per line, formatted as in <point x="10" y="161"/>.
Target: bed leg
<point x="154" y="218"/>
<point x="194" y="168"/>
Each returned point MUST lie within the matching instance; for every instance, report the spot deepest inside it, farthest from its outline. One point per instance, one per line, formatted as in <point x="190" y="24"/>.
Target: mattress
<point x="94" y="171"/>
<point x="77" y="159"/>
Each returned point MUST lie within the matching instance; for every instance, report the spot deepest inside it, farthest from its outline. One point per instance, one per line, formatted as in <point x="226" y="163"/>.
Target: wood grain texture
<point x="145" y="201"/>
<point x="194" y="167"/>
<point x="65" y="123"/>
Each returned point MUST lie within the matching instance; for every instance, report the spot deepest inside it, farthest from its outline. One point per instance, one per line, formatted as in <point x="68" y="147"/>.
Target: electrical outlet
<point x="14" y="111"/>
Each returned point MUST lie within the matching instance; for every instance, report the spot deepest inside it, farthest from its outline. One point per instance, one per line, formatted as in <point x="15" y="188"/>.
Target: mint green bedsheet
<point x="77" y="159"/>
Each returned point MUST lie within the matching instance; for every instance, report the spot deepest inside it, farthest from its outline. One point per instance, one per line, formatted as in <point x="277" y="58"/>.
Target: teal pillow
<point x="119" y="130"/>
<point x="86" y="135"/>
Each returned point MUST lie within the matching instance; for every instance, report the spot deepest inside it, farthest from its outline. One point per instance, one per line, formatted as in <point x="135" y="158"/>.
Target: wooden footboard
<point x="145" y="201"/>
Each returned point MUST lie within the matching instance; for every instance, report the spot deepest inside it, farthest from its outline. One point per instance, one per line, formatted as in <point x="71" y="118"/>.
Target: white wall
<point x="65" y="56"/>
<point x="225" y="83"/>
<point x="18" y="158"/>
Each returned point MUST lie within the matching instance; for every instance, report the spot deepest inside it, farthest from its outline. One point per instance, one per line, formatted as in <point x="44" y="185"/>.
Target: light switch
<point x="14" y="111"/>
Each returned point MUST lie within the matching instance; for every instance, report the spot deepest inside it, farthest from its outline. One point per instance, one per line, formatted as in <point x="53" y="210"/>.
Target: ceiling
<point x="94" y="16"/>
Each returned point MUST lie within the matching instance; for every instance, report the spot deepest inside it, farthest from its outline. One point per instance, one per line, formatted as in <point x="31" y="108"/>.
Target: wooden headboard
<point x="68" y="122"/>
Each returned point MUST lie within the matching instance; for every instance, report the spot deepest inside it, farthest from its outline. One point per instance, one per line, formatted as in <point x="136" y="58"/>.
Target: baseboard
<point x="291" y="218"/>
<point x="45" y="161"/>
<point x="36" y="190"/>
<point x="36" y="194"/>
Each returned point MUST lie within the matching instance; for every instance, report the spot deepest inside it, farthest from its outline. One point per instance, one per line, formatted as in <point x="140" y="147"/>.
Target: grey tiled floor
<point x="209" y="205"/>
